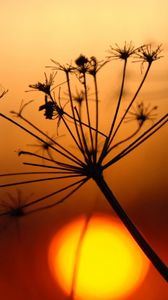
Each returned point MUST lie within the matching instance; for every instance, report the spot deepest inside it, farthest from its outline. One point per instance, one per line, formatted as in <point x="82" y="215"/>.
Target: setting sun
<point x="102" y="262"/>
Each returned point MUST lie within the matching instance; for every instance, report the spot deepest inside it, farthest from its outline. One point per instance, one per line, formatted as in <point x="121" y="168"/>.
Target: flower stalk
<point x="86" y="137"/>
<point x="153" y="257"/>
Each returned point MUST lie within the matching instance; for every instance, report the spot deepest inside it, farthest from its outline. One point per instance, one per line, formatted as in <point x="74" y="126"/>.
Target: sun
<point x="96" y="259"/>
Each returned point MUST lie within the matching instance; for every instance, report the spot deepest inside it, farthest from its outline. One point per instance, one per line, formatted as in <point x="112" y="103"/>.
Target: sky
<point x="33" y="32"/>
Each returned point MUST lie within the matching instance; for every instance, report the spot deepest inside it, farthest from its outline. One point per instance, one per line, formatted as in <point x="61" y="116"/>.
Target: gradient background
<point x="32" y="32"/>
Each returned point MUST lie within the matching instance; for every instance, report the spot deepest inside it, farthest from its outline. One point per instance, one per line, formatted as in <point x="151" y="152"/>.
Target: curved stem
<point x="108" y="140"/>
<point x="49" y="138"/>
<point x="79" y="142"/>
<point x="104" y="152"/>
<point x="84" y="146"/>
<point x="132" y="101"/>
<point x="143" y="137"/>
<point x="71" y="158"/>
<point x="154" y="258"/>
<point x="79" y="185"/>
<point x="88" y="113"/>
<point x="84" y="124"/>
<point x="39" y="180"/>
<point x="124" y="140"/>
<point x="78" y="256"/>
<point x="119" y="101"/>
<point x="97" y="116"/>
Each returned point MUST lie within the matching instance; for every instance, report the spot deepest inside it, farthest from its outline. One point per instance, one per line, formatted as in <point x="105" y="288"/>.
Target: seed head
<point x="141" y="113"/>
<point x="121" y="53"/>
<point x="44" y="87"/>
<point x="147" y="54"/>
<point x="13" y="207"/>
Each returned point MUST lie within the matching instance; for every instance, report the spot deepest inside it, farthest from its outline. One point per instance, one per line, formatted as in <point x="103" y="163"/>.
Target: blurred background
<point x="33" y="32"/>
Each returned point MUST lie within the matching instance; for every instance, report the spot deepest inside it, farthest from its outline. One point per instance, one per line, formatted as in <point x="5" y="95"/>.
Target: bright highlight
<point x="103" y="263"/>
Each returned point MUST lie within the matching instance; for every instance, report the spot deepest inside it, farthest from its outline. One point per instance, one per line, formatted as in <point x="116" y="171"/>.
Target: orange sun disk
<point x="105" y="263"/>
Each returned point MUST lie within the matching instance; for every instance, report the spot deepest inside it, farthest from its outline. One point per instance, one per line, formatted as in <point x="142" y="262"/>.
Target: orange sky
<point x="32" y="32"/>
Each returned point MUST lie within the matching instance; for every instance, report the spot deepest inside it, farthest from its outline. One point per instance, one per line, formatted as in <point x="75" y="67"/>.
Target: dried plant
<point x="83" y="129"/>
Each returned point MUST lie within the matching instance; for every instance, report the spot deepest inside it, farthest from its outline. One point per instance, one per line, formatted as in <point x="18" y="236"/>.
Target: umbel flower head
<point x="13" y="206"/>
<point x="2" y="92"/>
<point x="93" y="145"/>
<point x="142" y="113"/>
<point x="46" y="86"/>
<point x="147" y="54"/>
<point x="122" y="53"/>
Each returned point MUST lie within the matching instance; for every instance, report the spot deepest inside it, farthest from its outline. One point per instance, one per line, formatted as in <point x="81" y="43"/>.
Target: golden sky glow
<point x="35" y="31"/>
<point x="107" y="265"/>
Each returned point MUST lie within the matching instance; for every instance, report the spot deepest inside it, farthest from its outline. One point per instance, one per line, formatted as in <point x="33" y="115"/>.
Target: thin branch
<point x="104" y="151"/>
<point x="138" y="141"/>
<point x="97" y="117"/>
<point x="86" y="152"/>
<point x="132" y="101"/>
<point x="78" y="253"/>
<point x="70" y="169"/>
<point x="119" y="100"/>
<point x="107" y="141"/>
<point x="48" y="159"/>
<point x="69" y="155"/>
<point x="37" y="173"/>
<point x="154" y="258"/>
<point x="124" y="140"/>
<point x="39" y="180"/>
<point x="53" y="141"/>
<point x="88" y="112"/>
<point x="80" y="183"/>
<point x="86" y="125"/>
<point x="73" y="114"/>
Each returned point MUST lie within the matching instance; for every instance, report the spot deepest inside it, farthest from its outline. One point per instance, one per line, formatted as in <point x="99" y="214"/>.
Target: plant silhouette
<point x="83" y="129"/>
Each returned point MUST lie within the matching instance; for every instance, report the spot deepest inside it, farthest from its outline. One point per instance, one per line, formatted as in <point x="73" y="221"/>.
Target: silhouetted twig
<point x="83" y="129"/>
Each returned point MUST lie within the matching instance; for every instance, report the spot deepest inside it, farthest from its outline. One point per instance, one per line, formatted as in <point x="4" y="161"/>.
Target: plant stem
<point x="108" y="140"/>
<point x="119" y="101"/>
<point x="153" y="257"/>
<point x="97" y="116"/>
<point x="131" y="102"/>
<point x="149" y="132"/>
<point x="88" y="112"/>
<point x="76" y="160"/>
<point x="125" y="140"/>
<point x="73" y="115"/>
<point x="85" y="148"/>
<point x="78" y="256"/>
<point x="48" y="137"/>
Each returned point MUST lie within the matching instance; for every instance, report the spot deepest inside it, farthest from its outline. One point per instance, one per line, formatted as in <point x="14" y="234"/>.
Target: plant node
<point x="93" y="170"/>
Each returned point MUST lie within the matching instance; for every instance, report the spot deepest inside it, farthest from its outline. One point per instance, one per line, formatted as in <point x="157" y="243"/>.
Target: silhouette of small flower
<point x="81" y="61"/>
<point x="88" y="65"/>
<point x="44" y="146"/>
<point x="13" y="207"/>
<point x="49" y="108"/>
<point x="122" y="53"/>
<point x="95" y="65"/>
<point x="79" y="97"/>
<point x="83" y="64"/>
<point x="147" y="54"/>
<point x="67" y="68"/>
<point x="22" y="107"/>
<point x="44" y="87"/>
<point x="52" y="110"/>
<point x="12" y="210"/>
<point x="141" y="113"/>
<point x="3" y="92"/>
